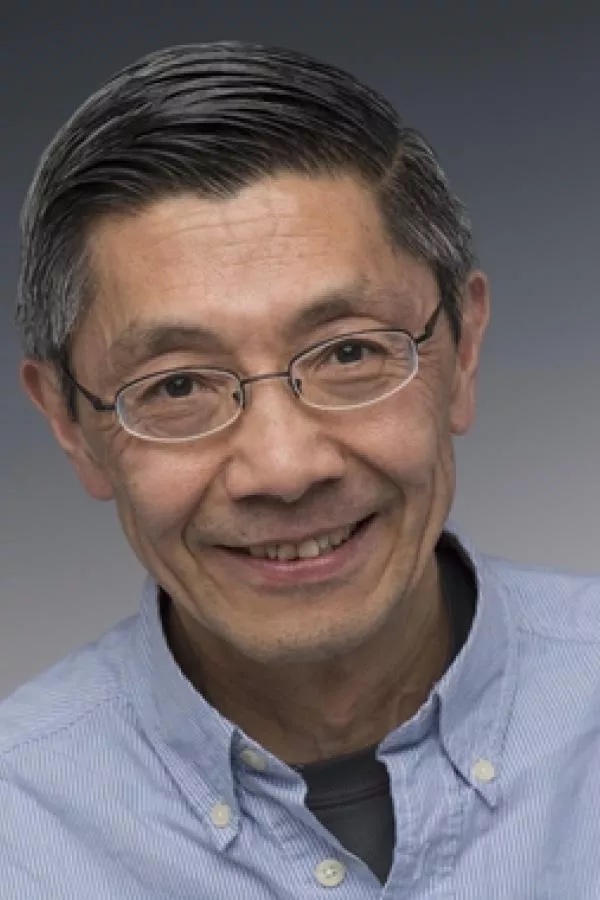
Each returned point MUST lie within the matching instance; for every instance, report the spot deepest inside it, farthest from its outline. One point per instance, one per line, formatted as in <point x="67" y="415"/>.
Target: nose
<point x="279" y="447"/>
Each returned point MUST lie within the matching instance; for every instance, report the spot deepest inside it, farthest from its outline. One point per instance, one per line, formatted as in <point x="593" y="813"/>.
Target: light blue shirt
<point x="118" y="781"/>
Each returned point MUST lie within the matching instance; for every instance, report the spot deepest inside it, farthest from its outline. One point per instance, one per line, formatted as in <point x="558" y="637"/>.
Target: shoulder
<point x="550" y="603"/>
<point x="71" y="691"/>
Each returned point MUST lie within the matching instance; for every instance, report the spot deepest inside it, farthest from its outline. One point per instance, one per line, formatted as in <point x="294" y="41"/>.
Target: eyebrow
<point x="140" y="342"/>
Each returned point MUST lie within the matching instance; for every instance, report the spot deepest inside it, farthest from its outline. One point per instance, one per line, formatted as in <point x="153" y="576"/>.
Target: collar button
<point x="483" y="771"/>
<point x="220" y="815"/>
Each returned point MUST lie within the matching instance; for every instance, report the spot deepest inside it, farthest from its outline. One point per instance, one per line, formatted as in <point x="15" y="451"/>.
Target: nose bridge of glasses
<point x="267" y="376"/>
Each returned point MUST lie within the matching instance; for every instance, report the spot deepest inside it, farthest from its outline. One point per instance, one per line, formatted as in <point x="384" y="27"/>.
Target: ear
<point x="41" y="382"/>
<point x="475" y="316"/>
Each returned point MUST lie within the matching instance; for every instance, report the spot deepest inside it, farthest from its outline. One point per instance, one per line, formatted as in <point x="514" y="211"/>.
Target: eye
<point x="354" y="351"/>
<point x="351" y="352"/>
<point x="177" y="385"/>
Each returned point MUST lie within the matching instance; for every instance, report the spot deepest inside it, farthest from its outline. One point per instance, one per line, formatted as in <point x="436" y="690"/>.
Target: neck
<point x="313" y="711"/>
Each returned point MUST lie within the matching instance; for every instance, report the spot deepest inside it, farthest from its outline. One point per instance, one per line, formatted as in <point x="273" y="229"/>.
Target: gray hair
<point x="211" y="119"/>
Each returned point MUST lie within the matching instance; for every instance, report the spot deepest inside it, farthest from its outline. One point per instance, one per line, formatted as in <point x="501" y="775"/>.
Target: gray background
<point x="509" y="95"/>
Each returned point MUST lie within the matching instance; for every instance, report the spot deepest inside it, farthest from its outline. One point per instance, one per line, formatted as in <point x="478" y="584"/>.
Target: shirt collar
<point x="476" y="693"/>
<point x="194" y="741"/>
<point x="473" y="697"/>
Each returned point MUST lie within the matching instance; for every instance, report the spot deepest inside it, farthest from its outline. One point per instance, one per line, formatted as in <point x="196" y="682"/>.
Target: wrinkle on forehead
<point x="258" y="260"/>
<point x="262" y="215"/>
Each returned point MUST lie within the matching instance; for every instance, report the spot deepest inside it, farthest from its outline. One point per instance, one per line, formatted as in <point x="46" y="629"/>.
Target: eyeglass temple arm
<point x="430" y="324"/>
<point x="98" y="404"/>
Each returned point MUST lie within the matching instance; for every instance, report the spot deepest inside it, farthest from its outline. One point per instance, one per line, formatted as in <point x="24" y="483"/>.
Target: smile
<point x="316" y="559"/>
<point x="310" y="548"/>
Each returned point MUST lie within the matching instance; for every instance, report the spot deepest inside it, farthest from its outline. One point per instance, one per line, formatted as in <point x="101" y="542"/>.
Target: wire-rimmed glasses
<point x="345" y="372"/>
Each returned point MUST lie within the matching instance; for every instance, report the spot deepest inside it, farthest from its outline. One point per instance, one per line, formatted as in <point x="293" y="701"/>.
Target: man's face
<point x="246" y="269"/>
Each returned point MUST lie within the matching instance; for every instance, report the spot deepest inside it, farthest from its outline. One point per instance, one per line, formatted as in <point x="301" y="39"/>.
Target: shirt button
<point x="253" y="759"/>
<point x="220" y="815"/>
<point x="330" y="872"/>
<point x="483" y="770"/>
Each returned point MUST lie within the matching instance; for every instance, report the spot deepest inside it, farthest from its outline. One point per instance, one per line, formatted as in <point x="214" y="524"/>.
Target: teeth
<point x="308" y="549"/>
<point x="286" y="551"/>
<point x="336" y="537"/>
<point x="257" y="552"/>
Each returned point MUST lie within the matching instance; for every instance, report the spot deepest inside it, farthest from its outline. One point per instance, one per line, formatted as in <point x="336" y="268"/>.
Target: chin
<point x="302" y="649"/>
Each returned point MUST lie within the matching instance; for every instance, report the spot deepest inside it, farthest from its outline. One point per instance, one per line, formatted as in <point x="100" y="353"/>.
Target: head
<point x="229" y="205"/>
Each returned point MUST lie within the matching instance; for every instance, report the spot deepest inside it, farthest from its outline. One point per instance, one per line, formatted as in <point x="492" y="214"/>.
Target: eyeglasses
<point x="346" y="372"/>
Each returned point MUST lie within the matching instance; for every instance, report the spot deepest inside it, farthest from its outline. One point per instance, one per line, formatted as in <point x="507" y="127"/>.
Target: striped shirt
<point x="118" y="781"/>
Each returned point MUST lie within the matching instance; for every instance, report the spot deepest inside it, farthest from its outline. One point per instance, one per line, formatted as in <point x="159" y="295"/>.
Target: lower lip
<point x="336" y="563"/>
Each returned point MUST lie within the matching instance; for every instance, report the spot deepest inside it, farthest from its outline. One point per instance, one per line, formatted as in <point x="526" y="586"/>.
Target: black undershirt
<point x="350" y="795"/>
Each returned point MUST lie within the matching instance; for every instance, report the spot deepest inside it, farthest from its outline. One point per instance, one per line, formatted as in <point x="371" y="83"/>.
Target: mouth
<point x="312" y="547"/>
<point x="325" y="558"/>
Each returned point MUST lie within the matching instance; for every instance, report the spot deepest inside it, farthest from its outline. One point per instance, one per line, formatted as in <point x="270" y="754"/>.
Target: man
<point x="251" y="314"/>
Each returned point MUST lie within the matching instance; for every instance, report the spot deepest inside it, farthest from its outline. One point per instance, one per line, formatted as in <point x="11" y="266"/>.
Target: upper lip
<point x="295" y="537"/>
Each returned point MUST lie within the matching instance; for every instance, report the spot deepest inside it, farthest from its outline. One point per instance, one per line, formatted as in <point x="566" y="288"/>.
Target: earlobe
<point x="42" y="384"/>
<point x="475" y="317"/>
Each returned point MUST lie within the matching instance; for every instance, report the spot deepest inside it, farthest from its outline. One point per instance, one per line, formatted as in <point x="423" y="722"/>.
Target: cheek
<point x="406" y="439"/>
<point x="158" y="494"/>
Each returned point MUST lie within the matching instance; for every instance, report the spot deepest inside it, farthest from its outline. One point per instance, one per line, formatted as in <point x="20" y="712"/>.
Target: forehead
<point x="247" y="263"/>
